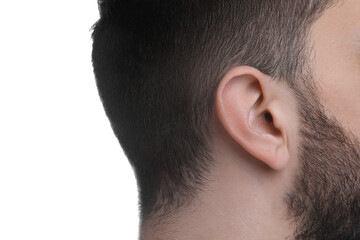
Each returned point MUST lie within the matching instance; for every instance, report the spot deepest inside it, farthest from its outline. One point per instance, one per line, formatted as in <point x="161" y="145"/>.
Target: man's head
<point x="237" y="107"/>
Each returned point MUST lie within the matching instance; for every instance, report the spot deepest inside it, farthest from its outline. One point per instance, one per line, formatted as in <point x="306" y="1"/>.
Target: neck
<point x="233" y="208"/>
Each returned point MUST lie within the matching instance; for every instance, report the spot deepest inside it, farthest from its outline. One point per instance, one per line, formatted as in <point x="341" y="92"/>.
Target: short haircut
<point x="157" y="65"/>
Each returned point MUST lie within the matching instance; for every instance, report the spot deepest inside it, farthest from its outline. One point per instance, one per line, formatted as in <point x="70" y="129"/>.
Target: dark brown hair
<point x="157" y="65"/>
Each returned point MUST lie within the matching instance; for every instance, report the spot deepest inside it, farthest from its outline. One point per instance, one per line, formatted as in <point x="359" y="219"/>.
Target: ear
<point x="250" y="106"/>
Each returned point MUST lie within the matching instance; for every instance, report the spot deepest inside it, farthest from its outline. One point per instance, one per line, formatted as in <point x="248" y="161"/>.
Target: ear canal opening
<point x="270" y="123"/>
<point x="268" y="117"/>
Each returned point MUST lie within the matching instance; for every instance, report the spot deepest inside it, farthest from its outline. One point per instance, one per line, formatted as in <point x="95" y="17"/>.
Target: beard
<point x="324" y="202"/>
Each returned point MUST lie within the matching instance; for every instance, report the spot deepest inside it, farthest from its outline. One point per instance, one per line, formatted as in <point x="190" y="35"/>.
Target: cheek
<point x="339" y="81"/>
<point x="337" y="64"/>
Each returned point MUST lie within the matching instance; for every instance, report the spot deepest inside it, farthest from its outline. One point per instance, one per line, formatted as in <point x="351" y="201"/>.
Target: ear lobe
<point x="248" y="111"/>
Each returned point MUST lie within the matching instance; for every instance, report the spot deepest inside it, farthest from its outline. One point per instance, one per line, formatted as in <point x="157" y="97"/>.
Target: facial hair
<point x="325" y="199"/>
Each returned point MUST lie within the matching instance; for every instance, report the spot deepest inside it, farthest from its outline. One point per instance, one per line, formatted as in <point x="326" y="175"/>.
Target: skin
<point x="337" y="63"/>
<point x="295" y="176"/>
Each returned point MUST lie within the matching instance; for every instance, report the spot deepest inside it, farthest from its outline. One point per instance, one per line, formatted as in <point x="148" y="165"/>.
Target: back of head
<point x="157" y="65"/>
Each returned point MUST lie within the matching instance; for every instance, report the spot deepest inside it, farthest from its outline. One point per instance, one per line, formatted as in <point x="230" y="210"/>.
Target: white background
<point x="63" y="174"/>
